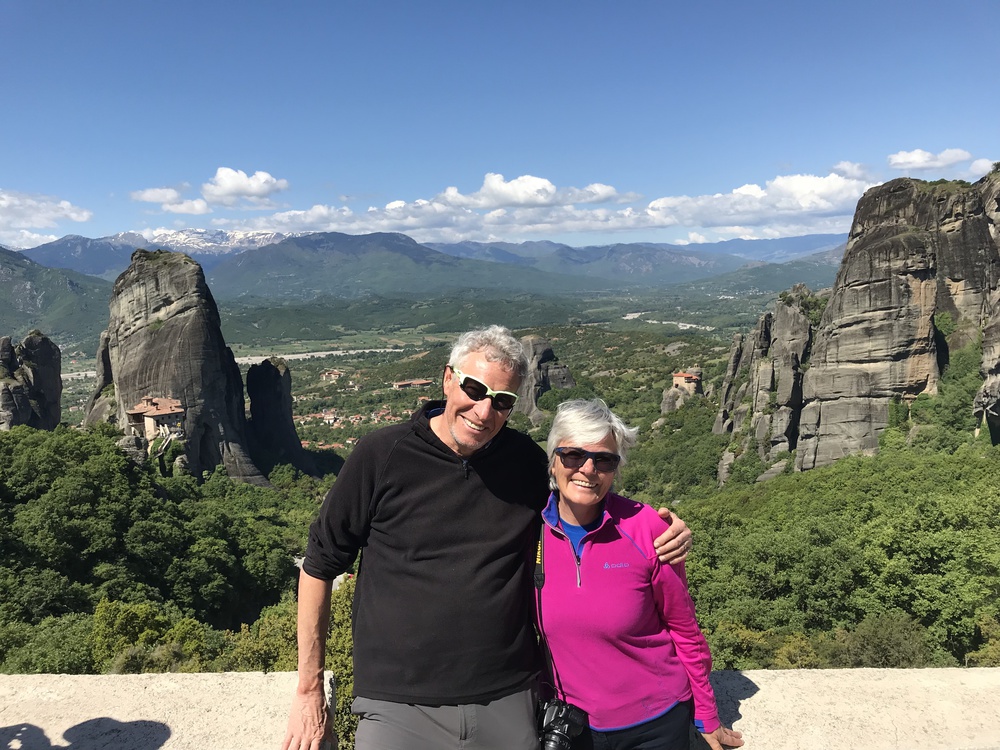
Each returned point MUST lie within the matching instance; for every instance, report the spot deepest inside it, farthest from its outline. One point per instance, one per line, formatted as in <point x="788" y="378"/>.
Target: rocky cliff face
<point x="544" y="374"/>
<point x="271" y="428"/>
<point x="922" y="260"/>
<point x="30" y="383"/>
<point x="761" y="395"/>
<point x="164" y="340"/>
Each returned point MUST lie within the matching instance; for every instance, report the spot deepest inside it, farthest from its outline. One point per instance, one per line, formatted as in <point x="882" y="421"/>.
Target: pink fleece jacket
<point x="621" y="627"/>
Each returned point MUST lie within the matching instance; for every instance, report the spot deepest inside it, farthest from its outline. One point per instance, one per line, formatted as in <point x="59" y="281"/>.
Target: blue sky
<point x="580" y="122"/>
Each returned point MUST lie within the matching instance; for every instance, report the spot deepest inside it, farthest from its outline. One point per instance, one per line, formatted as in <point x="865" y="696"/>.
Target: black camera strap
<point x="539" y="583"/>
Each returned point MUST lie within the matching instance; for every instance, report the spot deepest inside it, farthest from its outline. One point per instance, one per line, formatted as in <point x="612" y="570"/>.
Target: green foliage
<point x="944" y="324"/>
<point x="811" y="305"/>
<point x="340" y="660"/>
<point x="891" y="640"/>
<point x="677" y="458"/>
<point x="155" y="564"/>
<point x="899" y="413"/>
<point x="269" y="644"/>
<point x="550" y="400"/>
<point x="747" y="466"/>
<point x="951" y="409"/>
<point x="906" y="531"/>
<point x="119" y="627"/>
<point x="989" y="654"/>
<point x="57" y="645"/>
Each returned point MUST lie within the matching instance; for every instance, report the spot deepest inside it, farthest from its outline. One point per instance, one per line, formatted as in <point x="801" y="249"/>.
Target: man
<point x="446" y="508"/>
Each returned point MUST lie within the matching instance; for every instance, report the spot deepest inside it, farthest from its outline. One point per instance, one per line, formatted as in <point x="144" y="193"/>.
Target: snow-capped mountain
<point x="210" y="241"/>
<point x="109" y="256"/>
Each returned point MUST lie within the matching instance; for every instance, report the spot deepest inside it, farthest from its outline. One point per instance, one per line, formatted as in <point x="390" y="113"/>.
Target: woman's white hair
<point x="497" y="344"/>
<point x="581" y="421"/>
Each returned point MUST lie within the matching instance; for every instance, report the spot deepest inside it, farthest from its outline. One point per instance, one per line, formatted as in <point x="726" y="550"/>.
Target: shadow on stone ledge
<point x="94" y="734"/>
<point x="731" y="689"/>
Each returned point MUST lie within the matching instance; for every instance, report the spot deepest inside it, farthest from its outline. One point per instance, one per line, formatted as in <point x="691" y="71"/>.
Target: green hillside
<point x="70" y="308"/>
<point x="339" y="265"/>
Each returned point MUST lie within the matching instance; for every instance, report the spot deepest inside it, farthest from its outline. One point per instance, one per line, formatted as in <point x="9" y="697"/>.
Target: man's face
<point x="468" y="425"/>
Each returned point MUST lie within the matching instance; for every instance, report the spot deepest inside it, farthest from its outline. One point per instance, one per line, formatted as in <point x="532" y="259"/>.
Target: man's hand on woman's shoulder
<point x="673" y="545"/>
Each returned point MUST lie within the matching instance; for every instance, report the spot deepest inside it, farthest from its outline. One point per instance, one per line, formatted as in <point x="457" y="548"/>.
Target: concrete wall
<point x="850" y="709"/>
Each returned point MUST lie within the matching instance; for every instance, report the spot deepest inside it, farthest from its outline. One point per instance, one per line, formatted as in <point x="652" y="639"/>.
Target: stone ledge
<point x="848" y="709"/>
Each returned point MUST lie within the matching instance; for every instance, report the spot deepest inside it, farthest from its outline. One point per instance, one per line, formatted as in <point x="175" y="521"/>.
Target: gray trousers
<point x="504" y="724"/>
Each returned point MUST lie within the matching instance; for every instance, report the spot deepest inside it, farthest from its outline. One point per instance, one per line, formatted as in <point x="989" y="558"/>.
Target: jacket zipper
<point x="576" y="557"/>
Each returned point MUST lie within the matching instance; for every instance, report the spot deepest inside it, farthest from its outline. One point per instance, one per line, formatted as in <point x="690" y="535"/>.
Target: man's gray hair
<point x="497" y="344"/>
<point x="581" y="422"/>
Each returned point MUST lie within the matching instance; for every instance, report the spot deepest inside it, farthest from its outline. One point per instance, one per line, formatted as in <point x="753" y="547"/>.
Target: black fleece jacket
<point x="442" y="608"/>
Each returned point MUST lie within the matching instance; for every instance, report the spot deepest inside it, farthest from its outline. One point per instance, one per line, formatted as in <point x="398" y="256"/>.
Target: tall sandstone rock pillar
<point x="916" y="250"/>
<point x="918" y="254"/>
<point x="545" y="373"/>
<point x="164" y="339"/>
<point x="30" y="382"/>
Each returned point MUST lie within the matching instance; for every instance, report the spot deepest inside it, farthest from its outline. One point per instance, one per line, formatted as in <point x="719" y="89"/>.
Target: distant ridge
<point x="107" y="257"/>
<point x="350" y="266"/>
<point x="621" y="264"/>
<point x="65" y="305"/>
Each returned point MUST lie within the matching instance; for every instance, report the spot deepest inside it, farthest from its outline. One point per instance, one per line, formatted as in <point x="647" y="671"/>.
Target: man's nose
<point x="484" y="407"/>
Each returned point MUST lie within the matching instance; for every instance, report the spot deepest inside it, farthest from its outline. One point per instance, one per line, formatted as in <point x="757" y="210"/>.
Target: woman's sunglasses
<point x="478" y="390"/>
<point x="574" y="458"/>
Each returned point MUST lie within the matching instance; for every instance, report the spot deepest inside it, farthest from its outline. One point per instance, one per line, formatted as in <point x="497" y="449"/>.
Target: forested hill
<point x="66" y="305"/>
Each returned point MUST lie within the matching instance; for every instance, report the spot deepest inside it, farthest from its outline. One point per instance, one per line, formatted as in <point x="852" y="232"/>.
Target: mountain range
<point x="107" y="257"/>
<point x="360" y="265"/>
<point x="62" y="287"/>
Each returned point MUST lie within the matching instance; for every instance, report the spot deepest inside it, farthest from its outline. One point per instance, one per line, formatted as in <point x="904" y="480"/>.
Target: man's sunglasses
<point x="574" y="458"/>
<point x="477" y="390"/>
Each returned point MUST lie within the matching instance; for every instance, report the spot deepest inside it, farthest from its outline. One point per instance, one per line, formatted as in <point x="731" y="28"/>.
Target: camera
<point x="558" y="723"/>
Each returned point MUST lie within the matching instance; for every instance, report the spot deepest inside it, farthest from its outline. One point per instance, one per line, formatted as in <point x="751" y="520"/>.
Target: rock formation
<point x="761" y="396"/>
<point x="544" y="374"/>
<point x="918" y="254"/>
<point x="30" y="383"/>
<point x="686" y="385"/>
<point x="271" y="428"/>
<point x="987" y="402"/>
<point x="164" y="340"/>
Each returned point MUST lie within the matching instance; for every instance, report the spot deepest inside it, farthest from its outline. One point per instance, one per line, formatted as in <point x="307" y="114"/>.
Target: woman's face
<point x="584" y="488"/>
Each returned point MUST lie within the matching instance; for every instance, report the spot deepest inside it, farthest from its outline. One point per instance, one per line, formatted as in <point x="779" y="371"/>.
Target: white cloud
<point x="979" y="168"/>
<point x="529" y="206"/>
<point x="22" y="239"/>
<point x="786" y="196"/>
<point x="231" y="185"/>
<point x="528" y="190"/>
<point x="194" y="207"/>
<point x="918" y="159"/>
<point x="21" y="213"/>
<point x="851" y="170"/>
<point x="156" y="195"/>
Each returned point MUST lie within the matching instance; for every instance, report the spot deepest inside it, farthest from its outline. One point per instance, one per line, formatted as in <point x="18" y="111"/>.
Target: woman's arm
<point x="677" y="612"/>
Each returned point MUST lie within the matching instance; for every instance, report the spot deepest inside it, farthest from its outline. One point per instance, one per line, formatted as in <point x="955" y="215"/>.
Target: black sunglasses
<point x="574" y="458"/>
<point x="477" y="390"/>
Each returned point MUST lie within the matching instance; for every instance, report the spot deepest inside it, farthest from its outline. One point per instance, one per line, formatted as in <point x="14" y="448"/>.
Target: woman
<point x="619" y="628"/>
